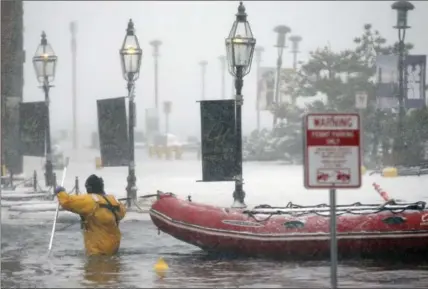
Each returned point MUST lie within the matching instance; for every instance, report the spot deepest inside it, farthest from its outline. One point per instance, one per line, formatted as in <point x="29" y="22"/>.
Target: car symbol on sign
<point x="323" y="177"/>
<point x="343" y="176"/>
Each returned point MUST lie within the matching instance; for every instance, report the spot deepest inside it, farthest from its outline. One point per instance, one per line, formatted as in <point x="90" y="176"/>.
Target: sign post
<point x="332" y="161"/>
<point x="333" y="240"/>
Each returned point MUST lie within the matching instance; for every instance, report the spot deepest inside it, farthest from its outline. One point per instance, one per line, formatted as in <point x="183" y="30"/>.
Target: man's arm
<point x="79" y="204"/>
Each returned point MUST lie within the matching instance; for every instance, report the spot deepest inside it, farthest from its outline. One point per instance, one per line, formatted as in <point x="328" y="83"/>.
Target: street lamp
<point x="167" y="111"/>
<point x="402" y="7"/>
<point x="222" y="59"/>
<point x="282" y="31"/>
<point x="295" y="41"/>
<point x="259" y="50"/>
<point x="44" y="61"/>
<point x="156" y="43"/>
<point x="240" y="48"/>
<point x="203" y="65"/>
<point x="131" y="55"/>
<point x="73" y="32"/>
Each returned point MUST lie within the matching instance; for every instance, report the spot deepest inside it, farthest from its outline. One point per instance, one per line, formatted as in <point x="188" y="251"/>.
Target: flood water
<point x="25" y="238"/>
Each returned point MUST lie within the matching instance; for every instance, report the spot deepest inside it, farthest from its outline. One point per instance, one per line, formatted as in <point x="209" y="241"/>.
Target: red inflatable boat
<point x="295" y="231"/>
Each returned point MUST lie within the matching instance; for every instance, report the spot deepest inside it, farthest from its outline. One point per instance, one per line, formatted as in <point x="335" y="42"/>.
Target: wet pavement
<point x="25" y="240"/>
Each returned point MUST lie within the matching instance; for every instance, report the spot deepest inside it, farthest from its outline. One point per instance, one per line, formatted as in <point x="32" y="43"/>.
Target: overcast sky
<point x="190" y="32"/>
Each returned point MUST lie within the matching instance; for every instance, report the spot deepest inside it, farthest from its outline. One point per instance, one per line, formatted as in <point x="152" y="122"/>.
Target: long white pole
<point x="333" y="240"/>
<point x="73" y="30"/>
<point x="64" y="173"/>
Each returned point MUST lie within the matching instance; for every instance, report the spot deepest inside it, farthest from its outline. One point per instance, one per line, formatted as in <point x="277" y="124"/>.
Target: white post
<point x="333" y="240"/>
<point x="361" y="105"/>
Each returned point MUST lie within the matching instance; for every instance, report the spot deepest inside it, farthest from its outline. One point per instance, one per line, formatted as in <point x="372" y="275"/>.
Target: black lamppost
<point x="402" y="7"/>
<point x="282" y="31"/>
<point x="131" y="55"/>
<point x="240" y="48"/>
<point x="44" y="61"/>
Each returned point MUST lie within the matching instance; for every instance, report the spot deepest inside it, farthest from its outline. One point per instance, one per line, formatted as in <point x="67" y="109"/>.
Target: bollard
<point x="11" y="180"/>
<point x="168" y="152"/>
<point x="54" y="180"/>
<point x="178" y="152"/>
<point x="158" y="150"/>
<point x="3" y="170"/>
<point x="151" y="151"/>
<point x="173" y="152"/>
<point x="35" y="181"/>
<point x="76" y="185"/>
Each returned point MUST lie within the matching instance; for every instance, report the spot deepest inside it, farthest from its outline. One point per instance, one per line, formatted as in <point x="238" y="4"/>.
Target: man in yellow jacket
<point x="100" y="214"/>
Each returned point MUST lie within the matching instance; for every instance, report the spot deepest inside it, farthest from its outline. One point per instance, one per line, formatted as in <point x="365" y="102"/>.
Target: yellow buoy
<point x="389" y="172"/>
<point x="363" y="170"/>
<point x="178" y="152"/>
<point x="159" y="151"/>
<point x="151" y="151"/>
<point x="161" y="267"/>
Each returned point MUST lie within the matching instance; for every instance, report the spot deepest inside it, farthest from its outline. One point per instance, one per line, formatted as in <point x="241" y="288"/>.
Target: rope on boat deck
<point x="414" y="206"/>
<point x="142" y="197"/>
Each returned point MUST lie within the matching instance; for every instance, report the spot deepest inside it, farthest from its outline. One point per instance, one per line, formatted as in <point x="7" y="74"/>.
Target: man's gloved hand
<point x="59" y="189"/>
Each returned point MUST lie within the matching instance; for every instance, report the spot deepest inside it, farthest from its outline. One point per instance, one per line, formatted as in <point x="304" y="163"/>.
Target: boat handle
<point x="396" y="220"/>
<point x="294" y="224"/>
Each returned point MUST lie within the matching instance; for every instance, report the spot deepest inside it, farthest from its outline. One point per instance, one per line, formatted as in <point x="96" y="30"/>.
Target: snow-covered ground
<point x="12" y="203"/>
<point x="265" y="183"/>
<point x="19" y="196"/>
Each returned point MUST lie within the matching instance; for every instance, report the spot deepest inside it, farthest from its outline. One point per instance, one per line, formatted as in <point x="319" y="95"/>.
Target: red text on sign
<point x="333" y="138"/>
<point x="333" y="121"/>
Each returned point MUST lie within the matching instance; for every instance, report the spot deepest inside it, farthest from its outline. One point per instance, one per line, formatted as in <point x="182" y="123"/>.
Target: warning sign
<point x="332" y="151"/>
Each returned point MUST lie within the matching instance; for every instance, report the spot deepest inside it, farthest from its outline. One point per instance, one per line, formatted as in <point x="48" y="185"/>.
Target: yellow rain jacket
<point x="101" y="225"/>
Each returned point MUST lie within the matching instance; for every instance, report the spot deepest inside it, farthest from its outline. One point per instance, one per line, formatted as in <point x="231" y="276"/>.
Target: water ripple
<point x="25" y="264"/>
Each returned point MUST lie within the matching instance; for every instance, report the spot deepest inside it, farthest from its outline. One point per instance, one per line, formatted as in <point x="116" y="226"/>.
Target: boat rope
<point x="142" y="197"/>
<point x="341" y="209"/>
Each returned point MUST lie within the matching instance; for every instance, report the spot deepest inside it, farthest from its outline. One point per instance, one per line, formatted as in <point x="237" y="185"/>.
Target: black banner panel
<point x="113" y="132"/>
<point x="32" y="127"/>
<point x="218" y="140"/>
